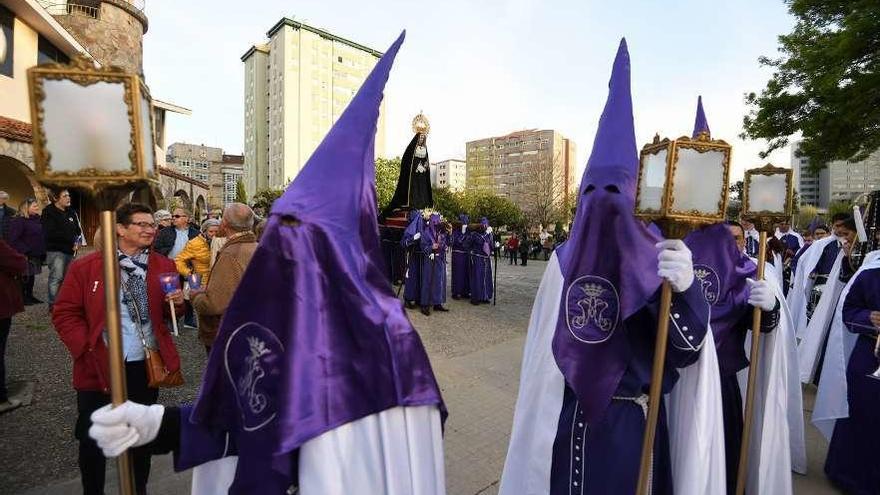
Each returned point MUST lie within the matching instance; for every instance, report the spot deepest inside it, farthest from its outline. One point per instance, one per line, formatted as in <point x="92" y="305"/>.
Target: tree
<point x="826" y="84"/>
<point x="240" y="193"/>
<point x="734" y="200"/>
<point x="836" y="207"/>
<point x="266" y="197"/>
<point x="543" y="190"/>
<point x="499" y="210"/>
<point x="387" y="172"/>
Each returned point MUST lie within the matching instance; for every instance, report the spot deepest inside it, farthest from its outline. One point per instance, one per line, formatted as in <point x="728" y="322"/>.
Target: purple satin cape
<point x="314" y="337"/>
<point x="721" y="269"/>
<point x="609" y="263"/>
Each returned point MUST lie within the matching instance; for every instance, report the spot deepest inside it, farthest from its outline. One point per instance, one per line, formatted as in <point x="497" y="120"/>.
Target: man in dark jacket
<point x="6" y="214"/>
<point x="171" y="239"/>
<point x="63" y="239"/>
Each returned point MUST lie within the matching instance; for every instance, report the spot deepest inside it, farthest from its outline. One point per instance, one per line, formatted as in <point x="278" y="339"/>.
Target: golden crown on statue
<point x="420" y="124"/>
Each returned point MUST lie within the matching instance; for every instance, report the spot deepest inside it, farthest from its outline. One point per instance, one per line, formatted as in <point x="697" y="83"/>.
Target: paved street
<point x="475" y="351"/>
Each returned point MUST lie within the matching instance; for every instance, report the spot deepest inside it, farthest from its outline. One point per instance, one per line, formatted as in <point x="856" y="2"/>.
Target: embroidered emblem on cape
<point x="253" y="358"/>
<point x="592" y="307"/>
<point x="710" y="284"/>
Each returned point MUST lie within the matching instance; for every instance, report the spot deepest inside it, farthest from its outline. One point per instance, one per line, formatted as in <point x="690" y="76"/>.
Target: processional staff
<point x="682" y="185"/>
<point x="93" y="131"/>
<point x="767" y="198"/>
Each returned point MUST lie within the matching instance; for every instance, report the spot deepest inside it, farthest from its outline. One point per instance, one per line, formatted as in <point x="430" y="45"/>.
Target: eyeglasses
<point x="145" y="225"/>
<point x="179" y="216"/>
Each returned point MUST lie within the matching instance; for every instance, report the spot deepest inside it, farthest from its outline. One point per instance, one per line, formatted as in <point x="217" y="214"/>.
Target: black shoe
<point x="30" y="301"/>
<point x="439" y="307"/>
<point x="426" y="310"/>
<point x="475" y="303"/>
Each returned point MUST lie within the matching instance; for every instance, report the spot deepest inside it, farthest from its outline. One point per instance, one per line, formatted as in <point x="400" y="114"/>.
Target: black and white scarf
<point x="134" y="283"/>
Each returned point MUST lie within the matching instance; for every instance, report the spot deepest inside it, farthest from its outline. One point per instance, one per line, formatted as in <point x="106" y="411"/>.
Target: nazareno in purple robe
<point x="604" y="338"/>
<point x="314" y="337"/>
<point x="852" y="455"/>
<point x="433" y="271"/>
<point x="479" y="247"/>
<point x="460" y="261"/>
<point x="721" y="271"/>
<point x="412" y="282"/>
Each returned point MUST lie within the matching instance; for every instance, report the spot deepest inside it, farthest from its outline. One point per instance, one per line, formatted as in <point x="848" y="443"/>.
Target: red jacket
<point x="12" y="265"/>
<point x="78" y="316"/>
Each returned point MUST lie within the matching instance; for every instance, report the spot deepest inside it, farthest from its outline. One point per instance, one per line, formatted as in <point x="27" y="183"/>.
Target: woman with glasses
<point x="26" y="236"/>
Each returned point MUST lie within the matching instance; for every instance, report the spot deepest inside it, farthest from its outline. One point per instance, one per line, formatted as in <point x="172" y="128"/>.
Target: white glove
<point x="420" y="169"/>
<point x="115" y="429"/>
<point x="431" y="256"/>
<point x="497" y="244"/>
<point x="464" y="229"/>
<point x="675" y="264"/>
<point x="417" y="236"/>
<point x="761" y="295"/>
<point x="489" y="229"/>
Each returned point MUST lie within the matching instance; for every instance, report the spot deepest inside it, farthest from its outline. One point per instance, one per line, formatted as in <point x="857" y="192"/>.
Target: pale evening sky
<point x="484" y="68"/>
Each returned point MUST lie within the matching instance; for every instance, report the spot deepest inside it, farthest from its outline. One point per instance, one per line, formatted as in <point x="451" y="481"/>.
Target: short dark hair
<point x="126" y="211"/>
<point x="56" y="192"/>
<point x="823" y="227"/>
<point x="849" y="223"/>
<point x="837" y="217"/>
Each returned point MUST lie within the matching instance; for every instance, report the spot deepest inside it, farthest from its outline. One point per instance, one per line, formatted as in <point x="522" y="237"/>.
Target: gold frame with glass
<point x="666" y="211"/>
<point x="93" y="110"/>
<point x="768" y="171"/>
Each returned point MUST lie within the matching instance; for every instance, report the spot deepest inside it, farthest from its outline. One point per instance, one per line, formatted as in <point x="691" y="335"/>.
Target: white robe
<point x="801" y="285"/>
<point x="695" y="431"/>
<point x="813" y="336"/>
<point x="398" y="451"/>
<point x="777" y="444"/>
<point x="831" y="401"/>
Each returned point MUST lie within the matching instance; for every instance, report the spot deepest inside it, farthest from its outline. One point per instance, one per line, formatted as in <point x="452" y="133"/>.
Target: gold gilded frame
<point x="768" y="217"/>
<point x="668" y="214"/>
<point x="82" y="71"/>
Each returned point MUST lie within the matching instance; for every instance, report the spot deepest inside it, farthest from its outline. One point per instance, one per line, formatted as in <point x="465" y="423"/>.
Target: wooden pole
<point x="654" y="396"/>
<point x="754" y="357"/>
<point x="118" y="393"/>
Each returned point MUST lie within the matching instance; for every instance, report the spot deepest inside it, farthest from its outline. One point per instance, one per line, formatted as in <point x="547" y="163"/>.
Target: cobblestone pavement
<point x="475" y="351"/>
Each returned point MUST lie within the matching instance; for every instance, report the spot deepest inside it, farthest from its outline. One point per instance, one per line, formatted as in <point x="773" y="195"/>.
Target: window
<point x="7" y="21"/>
<point x="47" y="53"/>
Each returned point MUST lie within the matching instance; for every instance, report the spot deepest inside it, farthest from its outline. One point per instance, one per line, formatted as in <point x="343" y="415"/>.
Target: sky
<point x="486" y="68"/>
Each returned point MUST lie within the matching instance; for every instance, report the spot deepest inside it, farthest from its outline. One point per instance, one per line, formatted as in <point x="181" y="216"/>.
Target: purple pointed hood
<point x="314" y="337"/>
<point x="700" y="122"/>
<point x="609" y="263"/>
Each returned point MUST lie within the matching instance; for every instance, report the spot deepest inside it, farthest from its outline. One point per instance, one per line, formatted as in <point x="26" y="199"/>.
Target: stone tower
<point x="111" y="30"/>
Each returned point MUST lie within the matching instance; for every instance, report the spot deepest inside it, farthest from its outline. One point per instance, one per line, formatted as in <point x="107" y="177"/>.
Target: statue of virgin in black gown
<point x="414" y="183"/>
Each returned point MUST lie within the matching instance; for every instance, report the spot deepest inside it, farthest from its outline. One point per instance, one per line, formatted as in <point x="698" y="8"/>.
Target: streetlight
<point x="682" y="184"/>
<point x="767" y="197"/>
<point x="93" y="130"/>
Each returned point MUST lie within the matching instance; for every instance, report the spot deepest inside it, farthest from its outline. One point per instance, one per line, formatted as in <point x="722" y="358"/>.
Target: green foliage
<point x="806" y="215"/>
<point x="240" y="193"/>
<point x="265" y="197"/>
<point x="734" y="200"/>
<point x="839" y="207"/>
<point x="387" y="172"/>
<point x="500" y="211"/>
<point x="825" y="85"/>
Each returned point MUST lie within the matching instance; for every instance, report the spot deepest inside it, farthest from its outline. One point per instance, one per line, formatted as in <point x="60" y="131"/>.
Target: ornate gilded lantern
<point x="683" y="182"/>
<point x="92" y="128"/>
<point x="767" y="195"/>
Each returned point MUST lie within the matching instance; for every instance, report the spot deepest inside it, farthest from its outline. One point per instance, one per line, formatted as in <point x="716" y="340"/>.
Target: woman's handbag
<point x="157" y="374"/>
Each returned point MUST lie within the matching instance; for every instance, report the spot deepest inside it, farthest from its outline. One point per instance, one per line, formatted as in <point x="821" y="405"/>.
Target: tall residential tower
<point x="296" y="86"/>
